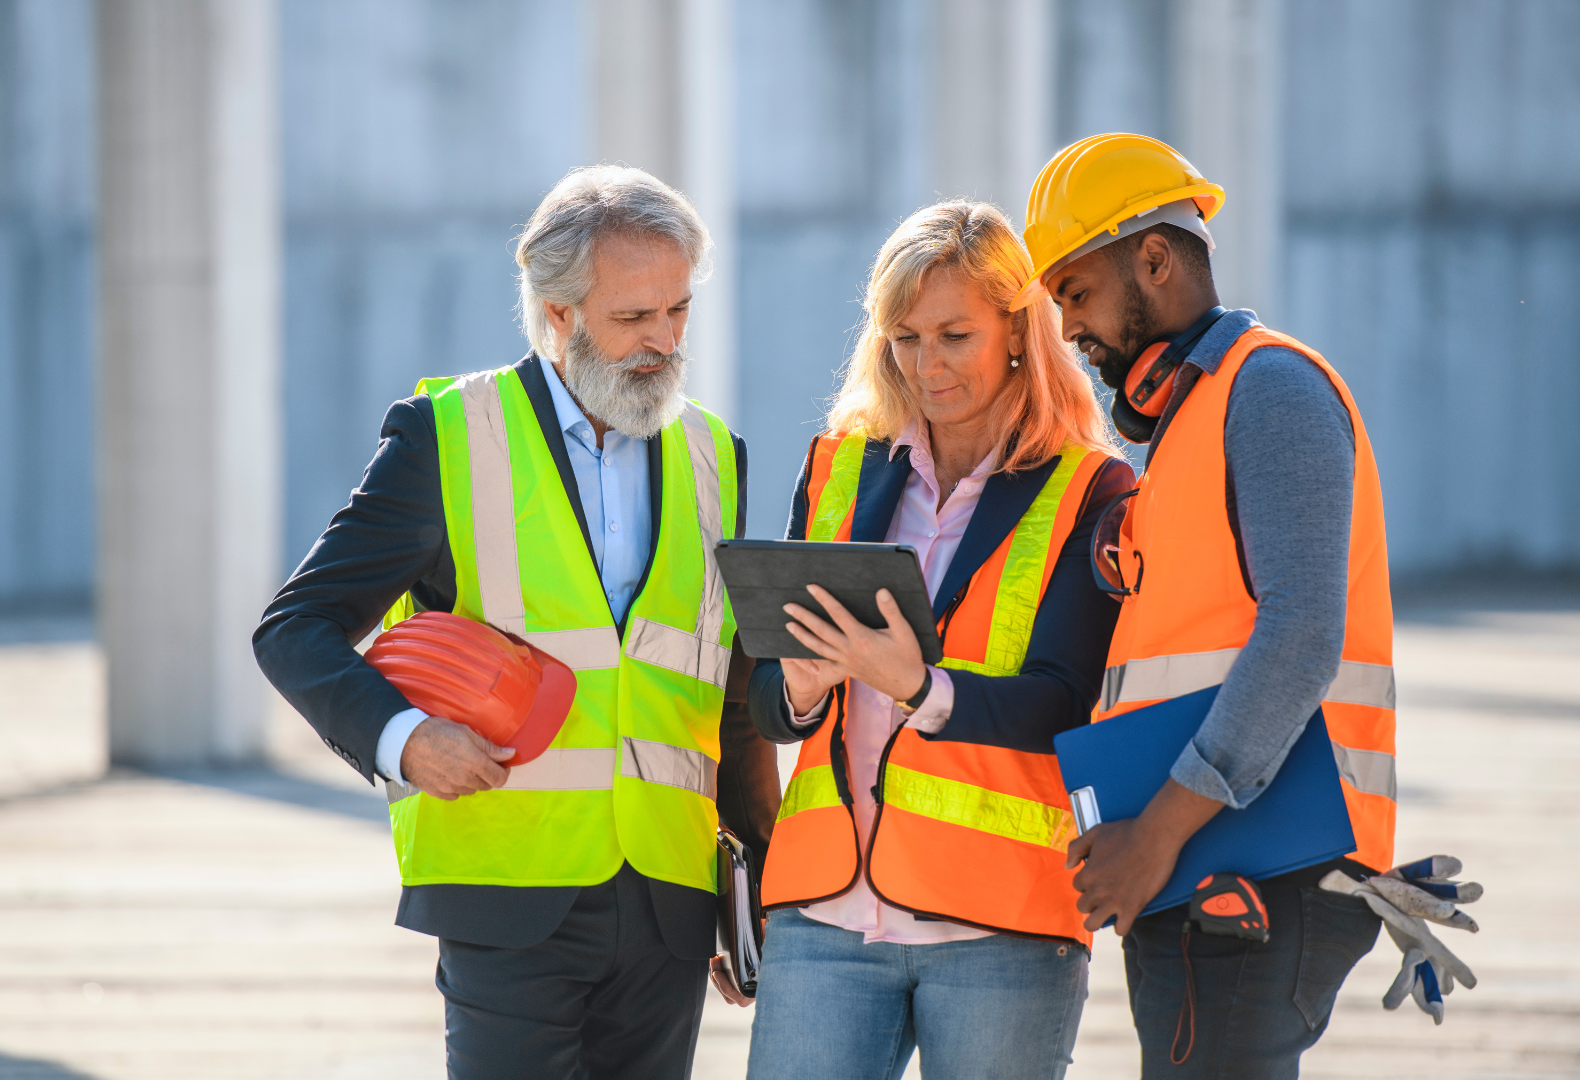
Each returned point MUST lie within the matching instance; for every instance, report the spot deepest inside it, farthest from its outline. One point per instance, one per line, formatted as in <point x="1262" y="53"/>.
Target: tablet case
<point x="764" y="575"/>
<point x="1299" y="821"/>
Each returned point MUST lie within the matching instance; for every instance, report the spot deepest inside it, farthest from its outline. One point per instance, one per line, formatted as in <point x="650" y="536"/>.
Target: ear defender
<point x="1151" y="380"/>
<point x="1147" y="388"/>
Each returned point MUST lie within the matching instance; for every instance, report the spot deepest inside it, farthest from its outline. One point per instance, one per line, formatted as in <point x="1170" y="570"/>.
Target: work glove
<point x="1405" y="898"/>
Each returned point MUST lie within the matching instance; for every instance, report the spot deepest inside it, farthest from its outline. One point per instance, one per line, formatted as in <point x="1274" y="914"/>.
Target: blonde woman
<point x="916" y="877"/>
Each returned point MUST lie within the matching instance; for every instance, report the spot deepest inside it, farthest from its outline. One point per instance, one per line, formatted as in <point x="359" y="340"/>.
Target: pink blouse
<point x="872" y="717"/>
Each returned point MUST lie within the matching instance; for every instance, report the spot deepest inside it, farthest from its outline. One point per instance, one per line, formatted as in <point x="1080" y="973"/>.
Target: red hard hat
<point x="499" y="686"/>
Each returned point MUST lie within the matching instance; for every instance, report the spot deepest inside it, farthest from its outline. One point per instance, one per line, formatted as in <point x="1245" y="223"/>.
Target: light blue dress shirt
<point x="618" y="502"/>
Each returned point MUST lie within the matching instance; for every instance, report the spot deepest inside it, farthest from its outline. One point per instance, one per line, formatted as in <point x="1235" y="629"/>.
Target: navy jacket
<point x="391" y="538"/>
<point x="1063" y="671"/>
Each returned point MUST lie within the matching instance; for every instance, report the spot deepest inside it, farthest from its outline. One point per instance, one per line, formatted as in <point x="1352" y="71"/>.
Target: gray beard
<point x="635" y="404"/>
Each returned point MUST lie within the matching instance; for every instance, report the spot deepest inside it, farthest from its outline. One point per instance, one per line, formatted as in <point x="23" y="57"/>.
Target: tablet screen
<point x="765" y="575"/>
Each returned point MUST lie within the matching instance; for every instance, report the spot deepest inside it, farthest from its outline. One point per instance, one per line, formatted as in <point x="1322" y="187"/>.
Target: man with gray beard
<point x="573" y="500"/>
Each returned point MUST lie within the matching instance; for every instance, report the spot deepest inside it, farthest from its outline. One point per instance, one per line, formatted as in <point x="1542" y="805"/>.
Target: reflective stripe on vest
<point x="700" y="655"/>
<point x="836" y="499"/>
<point x="1158" y="677"/>
<point x="556" y="769"/>
<point x="675" y="766"/>
<point x="633" y="773"/>
<point x="580" y="650"/>
<point x="809" y="789"/>
<point x="978" y="808"/>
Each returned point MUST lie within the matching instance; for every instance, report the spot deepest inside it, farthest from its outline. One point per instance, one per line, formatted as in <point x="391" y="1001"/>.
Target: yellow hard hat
<point x="1090" y="187"/>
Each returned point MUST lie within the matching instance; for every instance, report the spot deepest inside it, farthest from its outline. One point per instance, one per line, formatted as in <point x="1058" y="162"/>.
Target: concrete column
<point x="189" y="368"/>
<point x="1228" y="120"/>
<point x="663" y="91"/>
<point x="992" y="93"/>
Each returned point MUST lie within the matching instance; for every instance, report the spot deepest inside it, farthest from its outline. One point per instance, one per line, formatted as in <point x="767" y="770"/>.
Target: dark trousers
<point x="602" y="998"/>
<point x="1258" y="1007"/>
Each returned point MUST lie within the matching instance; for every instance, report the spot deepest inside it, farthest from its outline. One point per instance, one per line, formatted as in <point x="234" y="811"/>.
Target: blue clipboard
<point x="1299" y="821"/>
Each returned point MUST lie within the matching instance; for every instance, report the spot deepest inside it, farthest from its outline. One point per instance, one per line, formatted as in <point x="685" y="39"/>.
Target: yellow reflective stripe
<point x="810" y="789"/>
<point x="972" y="807"/>
<point x="840" y="491"/>
<point x="1020" y="585"/>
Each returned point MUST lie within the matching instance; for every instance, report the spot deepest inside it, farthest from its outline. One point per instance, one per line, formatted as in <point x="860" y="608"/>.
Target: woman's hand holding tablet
<point x="888" y="659"/>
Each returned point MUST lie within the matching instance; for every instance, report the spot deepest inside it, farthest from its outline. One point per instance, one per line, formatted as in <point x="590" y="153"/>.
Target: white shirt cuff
<point x="392" y="743"/>
<point x="812" y="716"/>
<point x="933" y="713"/>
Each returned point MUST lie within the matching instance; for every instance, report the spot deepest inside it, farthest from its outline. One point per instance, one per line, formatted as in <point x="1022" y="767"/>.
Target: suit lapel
<point x="530" y="371"/>
<point x="1004" y="501"/>
<point x="878" y="491"/>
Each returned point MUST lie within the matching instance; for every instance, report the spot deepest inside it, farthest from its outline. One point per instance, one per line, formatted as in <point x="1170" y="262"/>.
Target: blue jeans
<point x="830" y="1005"/>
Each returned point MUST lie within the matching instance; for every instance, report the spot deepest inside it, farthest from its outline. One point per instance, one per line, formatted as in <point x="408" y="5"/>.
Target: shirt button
<point x="614" y="526"/>
<point x="933" y="533"/>
<point x="607" y="462"/>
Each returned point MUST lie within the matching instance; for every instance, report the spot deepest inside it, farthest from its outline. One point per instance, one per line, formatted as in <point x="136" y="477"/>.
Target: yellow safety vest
<point x="632" y="775"/>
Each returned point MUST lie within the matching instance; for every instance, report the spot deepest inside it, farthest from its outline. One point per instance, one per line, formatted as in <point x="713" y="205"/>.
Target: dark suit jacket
<point x="1059" y="681"/>
<point x="391" y="538"/>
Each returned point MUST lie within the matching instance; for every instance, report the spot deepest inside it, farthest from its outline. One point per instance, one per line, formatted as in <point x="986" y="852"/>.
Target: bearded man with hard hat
<point x="1251" y="557"/>
<point x="571" y="500"/>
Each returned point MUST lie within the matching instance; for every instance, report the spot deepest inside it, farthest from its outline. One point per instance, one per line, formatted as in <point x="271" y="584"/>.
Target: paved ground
<point x="226" y="925"/>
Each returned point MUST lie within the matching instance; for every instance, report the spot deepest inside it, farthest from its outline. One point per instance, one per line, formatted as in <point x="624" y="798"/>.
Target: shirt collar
<point x="1210" y="350"/>
<point x="915" y="438"/>
<point x="566" y="410"/>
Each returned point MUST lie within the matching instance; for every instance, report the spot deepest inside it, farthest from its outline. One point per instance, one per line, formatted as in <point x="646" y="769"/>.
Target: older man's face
<point x="640" y="298"/>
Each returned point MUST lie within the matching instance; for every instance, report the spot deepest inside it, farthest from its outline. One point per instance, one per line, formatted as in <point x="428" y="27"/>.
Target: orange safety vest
<point x="966" y="833"/>
<point x="1194" y="610"/>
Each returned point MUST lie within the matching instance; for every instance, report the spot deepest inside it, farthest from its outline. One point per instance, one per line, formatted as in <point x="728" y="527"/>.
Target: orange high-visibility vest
<point x="967" y="833"/>
<point x="1194" y="610"/>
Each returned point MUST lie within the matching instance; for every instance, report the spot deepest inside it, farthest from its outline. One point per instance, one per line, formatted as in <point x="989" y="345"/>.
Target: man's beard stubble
<point x="1139" y="319"/>
<point x="635" y="404"/>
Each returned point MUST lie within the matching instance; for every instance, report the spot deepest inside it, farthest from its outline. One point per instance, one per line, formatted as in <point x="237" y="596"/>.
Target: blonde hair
<point x="1047" y="401"/>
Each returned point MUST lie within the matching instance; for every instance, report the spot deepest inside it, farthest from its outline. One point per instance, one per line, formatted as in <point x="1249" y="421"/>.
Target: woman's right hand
<point x="808" y="680"/>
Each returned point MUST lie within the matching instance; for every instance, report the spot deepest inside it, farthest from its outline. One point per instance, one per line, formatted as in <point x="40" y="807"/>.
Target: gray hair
<point x="555" y="251"/>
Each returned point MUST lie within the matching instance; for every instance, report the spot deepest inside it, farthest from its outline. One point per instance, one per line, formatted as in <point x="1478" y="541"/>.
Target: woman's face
<point x="953" y="348"/>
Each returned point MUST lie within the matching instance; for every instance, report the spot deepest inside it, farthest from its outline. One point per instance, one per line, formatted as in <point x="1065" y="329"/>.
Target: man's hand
<point x="724" y="982"/>
<point x="1128" y="862"/>
<point x="448" y="760"/>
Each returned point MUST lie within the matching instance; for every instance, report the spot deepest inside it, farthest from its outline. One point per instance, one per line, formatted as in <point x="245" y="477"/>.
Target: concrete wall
<point x="1433" y="187"/>
<point x="418" y="136"/>
<point x="1426" y="185"/>
<point x="46" y="304"/>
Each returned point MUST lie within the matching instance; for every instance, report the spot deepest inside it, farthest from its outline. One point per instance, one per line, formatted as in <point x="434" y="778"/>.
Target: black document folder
<point x="740" y="913"/>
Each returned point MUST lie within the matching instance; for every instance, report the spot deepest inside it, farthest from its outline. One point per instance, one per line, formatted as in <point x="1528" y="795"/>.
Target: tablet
<point x="765" y="575"/>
